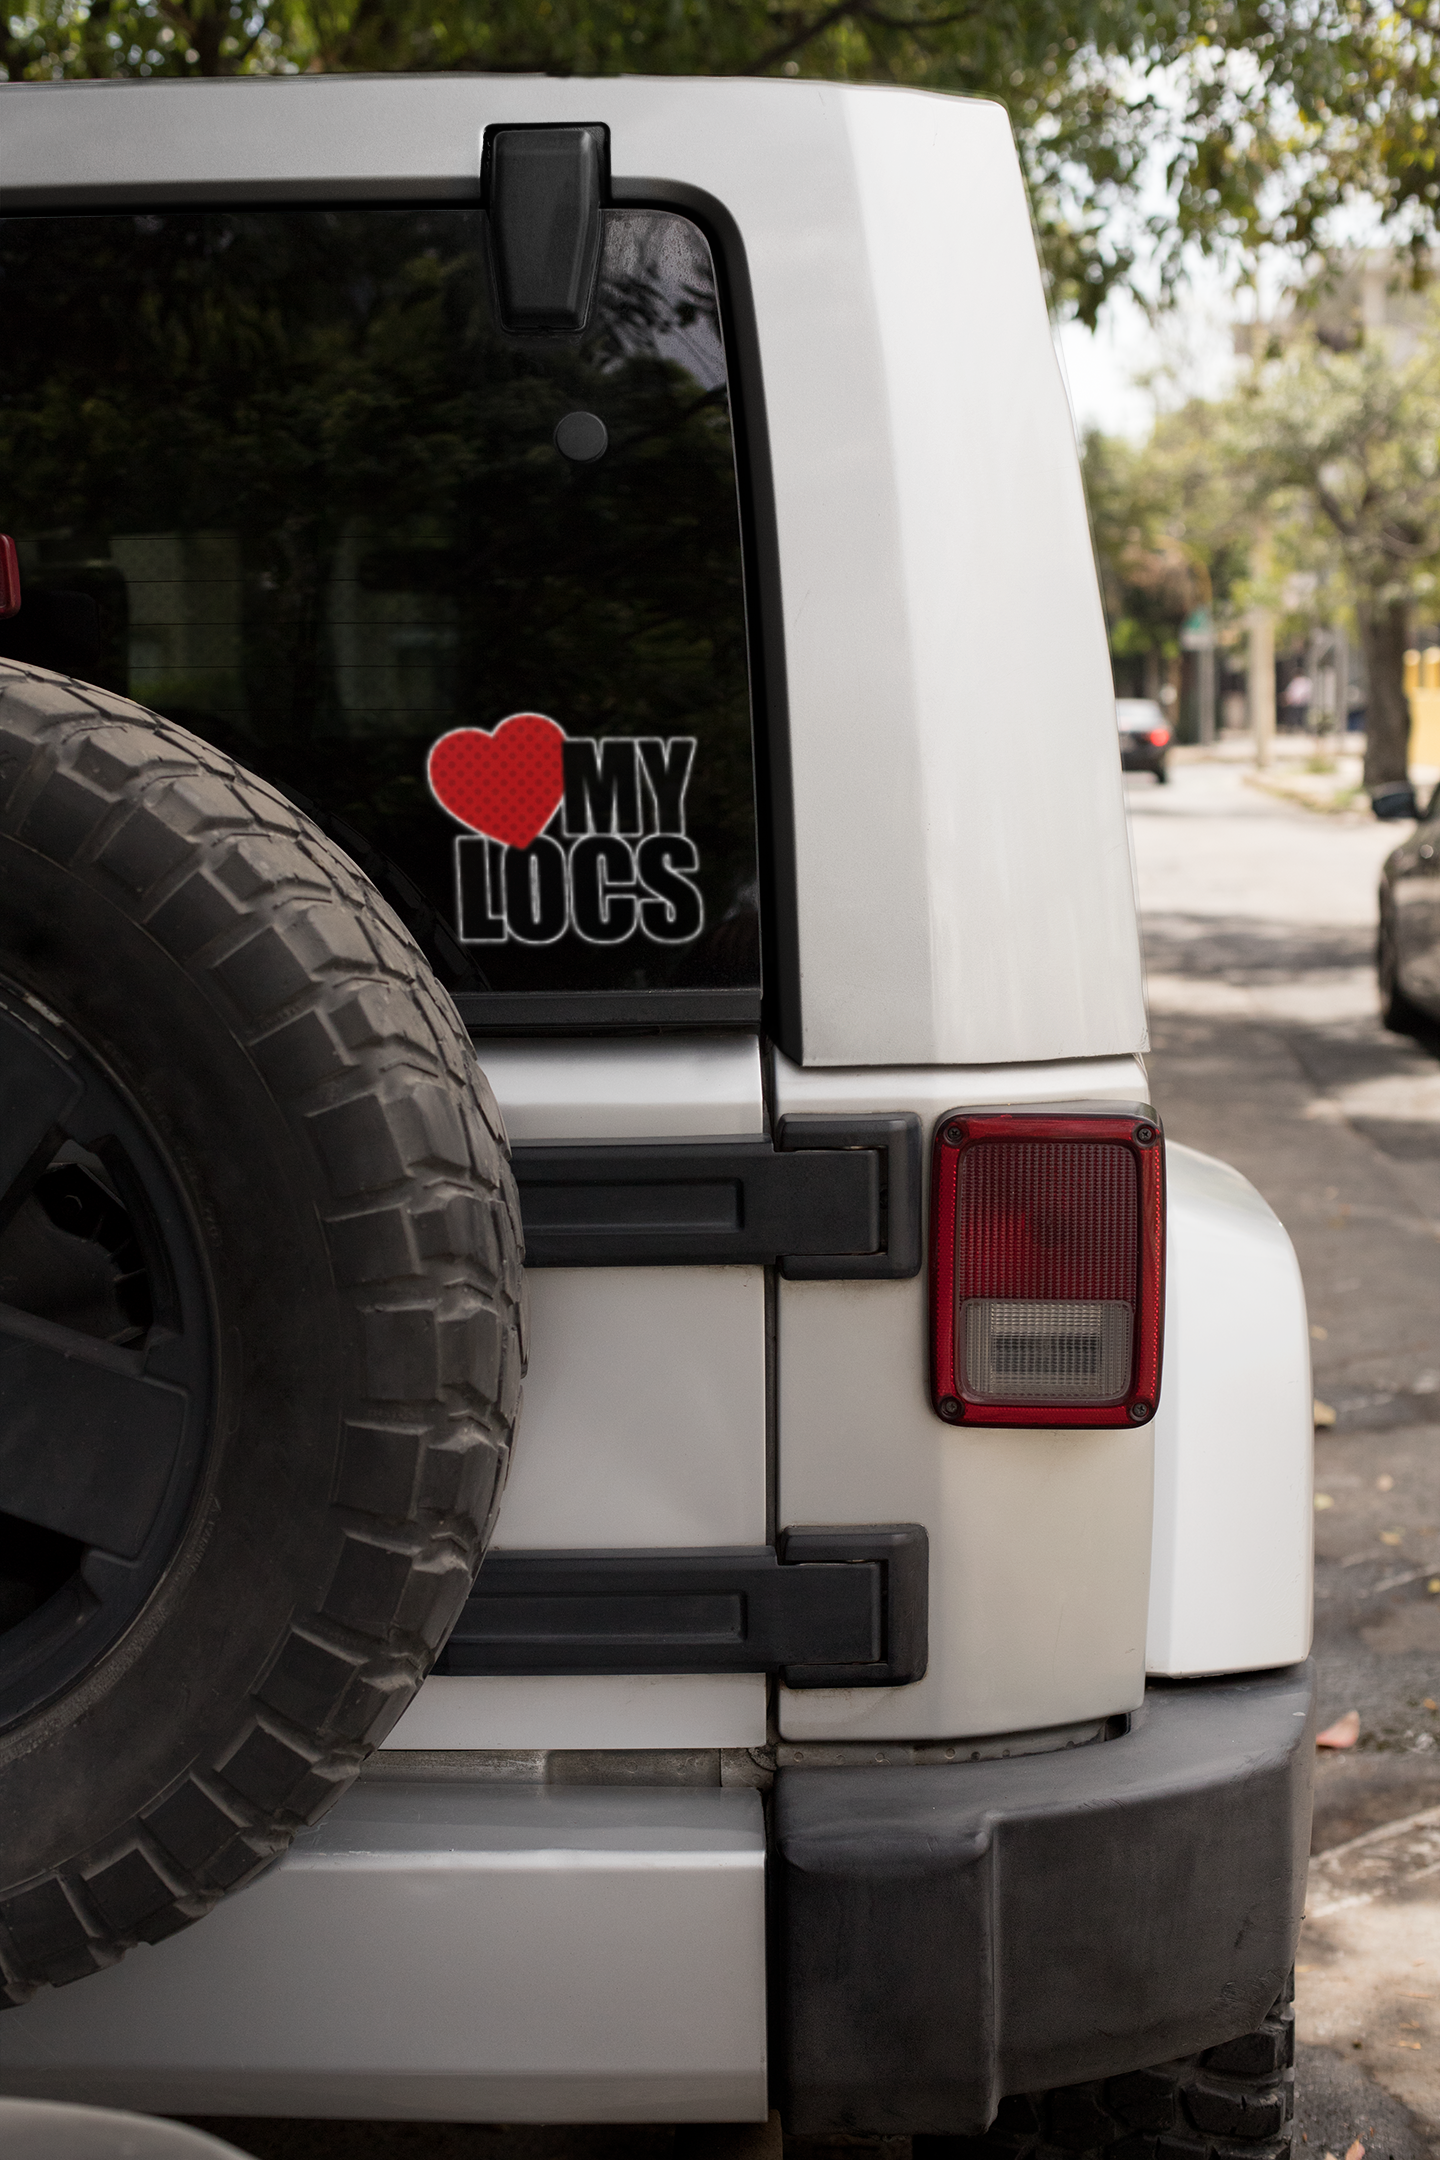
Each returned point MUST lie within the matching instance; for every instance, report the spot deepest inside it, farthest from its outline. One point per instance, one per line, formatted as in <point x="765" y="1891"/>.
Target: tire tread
<point x="353" y="1037"/>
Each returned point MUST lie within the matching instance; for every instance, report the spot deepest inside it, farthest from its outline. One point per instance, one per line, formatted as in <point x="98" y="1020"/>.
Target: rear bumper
<point x="462" y="1952"/>
<point x="955" y="1932"/>
<point x="941" y="1936"/>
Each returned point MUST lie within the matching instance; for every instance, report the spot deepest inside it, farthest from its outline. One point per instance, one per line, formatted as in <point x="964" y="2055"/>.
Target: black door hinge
<point x="833" y="1199"/>
<point x="842" y="1607"/>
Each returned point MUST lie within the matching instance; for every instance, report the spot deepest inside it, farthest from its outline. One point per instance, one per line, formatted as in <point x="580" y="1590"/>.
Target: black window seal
<point x="764" y="610"/>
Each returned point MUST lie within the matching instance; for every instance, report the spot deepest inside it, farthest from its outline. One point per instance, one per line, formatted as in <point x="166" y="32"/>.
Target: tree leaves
<point x="1268" y="116"/>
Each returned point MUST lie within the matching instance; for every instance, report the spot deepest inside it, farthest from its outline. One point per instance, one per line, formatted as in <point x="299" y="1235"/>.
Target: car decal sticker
<point x="568" y="834"/>
<point x="508" y="783"/>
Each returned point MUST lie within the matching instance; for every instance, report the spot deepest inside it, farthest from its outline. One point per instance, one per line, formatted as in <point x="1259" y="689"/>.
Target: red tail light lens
<point x="1047" y="1266"/>
<point x="1159" y="736"/>
<point x="9" y="577"/>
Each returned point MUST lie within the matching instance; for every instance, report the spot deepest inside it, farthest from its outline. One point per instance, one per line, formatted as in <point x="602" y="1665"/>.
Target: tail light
<point x="1048" y="1265"/>
<point x="9" y="577"/>
<point x="1159" y="736"/>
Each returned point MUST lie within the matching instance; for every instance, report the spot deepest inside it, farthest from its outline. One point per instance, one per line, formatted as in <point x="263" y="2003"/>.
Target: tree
<point x="1270" y="115"/>
<point x="1171" y="530"/>
<point x="1349" y="443"/>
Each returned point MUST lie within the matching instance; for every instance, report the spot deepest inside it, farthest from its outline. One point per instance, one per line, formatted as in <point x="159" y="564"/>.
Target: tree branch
<point x="803" y="37"/>
<point x="859" y="11"/>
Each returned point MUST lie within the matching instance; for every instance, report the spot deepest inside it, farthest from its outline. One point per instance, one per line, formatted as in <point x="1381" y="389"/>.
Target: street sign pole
<point x="1198" y="636"/>
<point x="1260" y="682"/>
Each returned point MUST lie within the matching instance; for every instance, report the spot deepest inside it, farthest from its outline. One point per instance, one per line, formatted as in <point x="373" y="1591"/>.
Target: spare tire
<point x="260" y="1325"/>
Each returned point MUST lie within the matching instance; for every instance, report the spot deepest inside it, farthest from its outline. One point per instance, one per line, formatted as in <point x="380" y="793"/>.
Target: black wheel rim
<point x="106" y="1358"/>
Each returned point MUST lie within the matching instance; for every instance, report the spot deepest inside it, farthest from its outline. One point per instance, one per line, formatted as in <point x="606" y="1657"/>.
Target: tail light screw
<point x="1140" y="1411"/>
<point x="952" y="1409"/>
<point x="1144" y="1134"/>
<point x="953" y="1135"/>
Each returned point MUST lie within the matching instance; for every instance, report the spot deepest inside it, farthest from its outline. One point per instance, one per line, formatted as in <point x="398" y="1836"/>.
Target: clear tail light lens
<point x="1047" y="1266"/>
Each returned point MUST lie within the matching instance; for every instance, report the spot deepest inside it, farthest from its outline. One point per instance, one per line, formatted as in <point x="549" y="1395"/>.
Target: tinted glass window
<point x="281" y="476"/>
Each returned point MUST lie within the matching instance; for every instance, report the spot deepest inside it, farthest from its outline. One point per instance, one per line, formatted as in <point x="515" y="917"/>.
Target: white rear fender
<point x="1230" y="1578"/>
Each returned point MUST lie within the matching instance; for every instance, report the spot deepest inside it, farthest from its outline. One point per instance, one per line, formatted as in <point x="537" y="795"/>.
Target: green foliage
<point x="1171" y="531"/>
<point x="1270" y="114"/>
<point x="1313" y="491"/>
<point x="1344" y="447"/>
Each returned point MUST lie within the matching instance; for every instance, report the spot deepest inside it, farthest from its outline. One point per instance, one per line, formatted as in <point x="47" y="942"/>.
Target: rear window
<point x="473" y="600"/>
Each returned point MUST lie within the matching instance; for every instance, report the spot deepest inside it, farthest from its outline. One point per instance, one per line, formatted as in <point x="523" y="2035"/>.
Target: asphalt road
<point x="1259" y="924"/>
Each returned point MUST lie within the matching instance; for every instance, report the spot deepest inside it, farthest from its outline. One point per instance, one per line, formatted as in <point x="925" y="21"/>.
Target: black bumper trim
<point x="604" y="1012"/>
<point x="952" y="1934"/>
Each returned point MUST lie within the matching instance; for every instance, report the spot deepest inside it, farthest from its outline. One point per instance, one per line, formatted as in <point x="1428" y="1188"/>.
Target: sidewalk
<point x="1322" y="773"/>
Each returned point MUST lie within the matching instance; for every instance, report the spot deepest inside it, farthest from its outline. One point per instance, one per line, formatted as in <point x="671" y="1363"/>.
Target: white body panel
<point x="911" y="724"/>
<point x="1039" y="1541"/>
<point x="644" y="1417"/>
<point x="644" y="1412"/>
<point x="609" y="1710"/>
<point x="448" y="1951"/>
<point x="1233" y="1565"/>
<point x="675" y="1087"/>
<point x="926" y="488"/>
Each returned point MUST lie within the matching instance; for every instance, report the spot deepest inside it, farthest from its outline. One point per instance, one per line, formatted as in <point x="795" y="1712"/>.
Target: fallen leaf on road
<point x="1355" y="2151"/>
<point x="1323" y="1500"/>
<point x="1384" y="1483"/>
<point x="1410" y="2044"/>
<point x="1343" y="1733"/>
<point x="1324" y="1415"/>
<point x="1433" y="1585"/>
<point x="1428" y="1702"/>
<point x="1319" y="1334"/>
<point x="1392" y="1537"/>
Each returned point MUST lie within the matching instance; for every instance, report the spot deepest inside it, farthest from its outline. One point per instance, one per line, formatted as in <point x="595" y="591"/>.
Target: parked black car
<point x="1407" y="954"/>
<point x="1144" y="735"/>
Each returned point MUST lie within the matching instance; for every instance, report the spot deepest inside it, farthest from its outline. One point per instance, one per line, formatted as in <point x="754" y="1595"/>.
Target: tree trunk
<point x="1384" y="634"/>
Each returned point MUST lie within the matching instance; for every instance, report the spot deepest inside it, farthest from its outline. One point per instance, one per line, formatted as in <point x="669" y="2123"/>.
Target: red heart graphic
<point x="507" y="784"/>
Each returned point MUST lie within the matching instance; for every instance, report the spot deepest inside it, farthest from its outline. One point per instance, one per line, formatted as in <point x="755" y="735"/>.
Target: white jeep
<point x="610" y="561"/>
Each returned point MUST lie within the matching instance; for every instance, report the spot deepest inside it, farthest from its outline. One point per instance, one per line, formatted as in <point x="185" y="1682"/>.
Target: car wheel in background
<point x="1397" y="1012"/>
